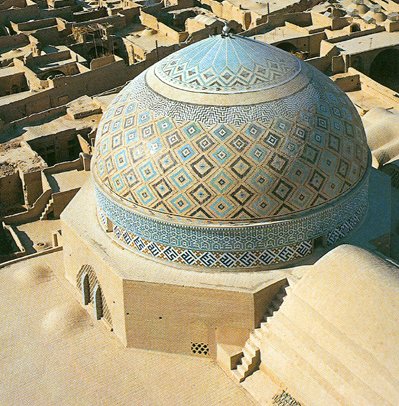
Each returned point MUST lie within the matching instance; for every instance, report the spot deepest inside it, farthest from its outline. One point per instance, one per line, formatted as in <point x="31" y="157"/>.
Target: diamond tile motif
<point x="162" y="188"/>
<point x="282" y="190"/>
<point x="173" y="139"/>
<point x="282" y="126"/>
<point x="201" y="194"/>
<point x="131" y="136"/>
<point x="165" y="125"/>
<point x="137" y="153"/>
<point x="221" y="182"/>
<point x="167" y="162"/>
<point x="181" y="203"/>
<point x="118" y="182"/>
<point x="258" y="154"/>
<point x="334" y="143"/>
<point x="130" y="121"/>
<point x="154" y="146"/>
<point x="289" y="158"/>
<point x="311" y="154"/>
<point x="145" y="195"/>
<point x="301" y="197"/>
<point x="222" y="132"/>
<point x="205" y="143"/>
<point x="254" y="131"/>
<point x="191" y="130"/>
<point x="204" y="66"/>
<point x="147" y="171"/>
<point x="242" y="195"/>
<point x="144" y="117"/>
<point x="239" y="143"/>
<point x="121" y="160"/>
<point x="272" y="140"/>
<point x="221" y="155"/>
<point x="317" y="180"/>
<point x="300" y="132"/>
<point x="181" y="179"/>
<point x="240" y="167"/>
<point x="278" y="163"/>
<point x="222" y="206"/>
<point x="261" y="180"/>
<point x="202" y="166"/>
<point x="116" y="140"/>
<point x="186" y="152"/>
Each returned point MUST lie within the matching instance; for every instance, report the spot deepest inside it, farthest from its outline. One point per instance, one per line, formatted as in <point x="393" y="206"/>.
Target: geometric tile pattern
<point x="248" y="172"/>
<point x="147" y="99"/>
<point x="253" y="237"/>
<point x="231" y="186"/>
<point x="213" y="259"/>
<point x="229" y="259"/>
<point x="346" y="227"/>
<point x="204" y="66"/>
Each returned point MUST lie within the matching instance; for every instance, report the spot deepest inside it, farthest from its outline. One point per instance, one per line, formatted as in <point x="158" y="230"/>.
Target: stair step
<point x="248" y="367"/>
<point x="241" y="369"/>
<point x="281" y="295"/>
<point x="47" y="209"/>
<point x="355" y="360"/>
<point x="256" y="341"/>
<point x="261" y="387"/>
<point x="297" y="374"/>
<point x="324" y="363"/>
<point x="248" y="353"/>
<point x="236" y="375"/>
<point x="269" y="312"/>
<point x="276" y="303"/>
<point x="250" y="348"/>
<point x="257" y="333"/>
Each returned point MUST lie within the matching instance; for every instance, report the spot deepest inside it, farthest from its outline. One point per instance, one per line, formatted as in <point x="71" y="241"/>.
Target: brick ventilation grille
<point x="199" y="348"/>
<point x="92" y="283"/>
<point x="285" y="399"/>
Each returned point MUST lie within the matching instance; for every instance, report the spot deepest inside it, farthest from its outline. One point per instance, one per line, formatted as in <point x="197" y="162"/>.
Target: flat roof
<point x="148" y="42"/>
<point x="368" y="42"/>
<point x="60" y="124"/>
<point x="63" y="181"/>
<point x="10" y="98"/>
<point x="10" y="71"/>
<point x="280" y="34"/>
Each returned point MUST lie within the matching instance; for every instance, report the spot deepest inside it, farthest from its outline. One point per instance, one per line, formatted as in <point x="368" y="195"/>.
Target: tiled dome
<point x="228" y="132"/>
<point x="228" y="65"/>
<point x="230" y="162"/>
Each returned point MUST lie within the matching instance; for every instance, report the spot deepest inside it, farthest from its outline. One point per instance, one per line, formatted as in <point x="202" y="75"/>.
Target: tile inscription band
<point x="251" y="237"/>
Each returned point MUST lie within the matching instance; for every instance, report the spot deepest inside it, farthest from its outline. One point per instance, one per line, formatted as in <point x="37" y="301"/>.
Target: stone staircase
<point x="297" y="352"/>
<point x="47" y="210"/>
<point x="250" y="360"/>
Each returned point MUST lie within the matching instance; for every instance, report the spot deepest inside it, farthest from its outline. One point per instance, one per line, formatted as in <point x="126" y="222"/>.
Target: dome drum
<point x="230" y="154"/>
<point x="235" y="246"/>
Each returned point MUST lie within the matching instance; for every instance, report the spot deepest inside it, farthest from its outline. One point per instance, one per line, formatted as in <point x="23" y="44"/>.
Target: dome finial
<point x="226" y="30"/>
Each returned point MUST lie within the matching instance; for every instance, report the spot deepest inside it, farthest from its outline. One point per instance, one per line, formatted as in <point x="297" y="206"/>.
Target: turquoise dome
<point x="227" y="64"/>
<point x="231" y="152"/>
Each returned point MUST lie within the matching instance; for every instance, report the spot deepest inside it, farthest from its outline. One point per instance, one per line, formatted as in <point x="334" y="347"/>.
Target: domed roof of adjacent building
<point x="229" y="130"/>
